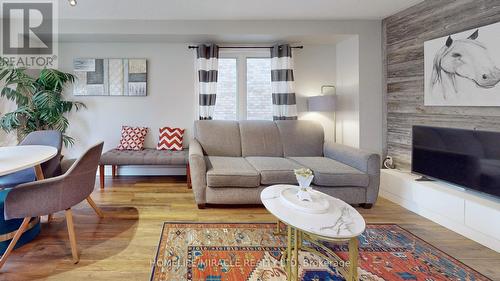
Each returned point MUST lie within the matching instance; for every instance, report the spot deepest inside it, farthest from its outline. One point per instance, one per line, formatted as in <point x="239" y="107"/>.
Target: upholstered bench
<point x="148" y="156"/>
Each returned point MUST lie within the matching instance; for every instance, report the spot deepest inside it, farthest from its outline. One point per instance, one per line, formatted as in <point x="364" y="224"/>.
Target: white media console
<point x="468" y="213"/>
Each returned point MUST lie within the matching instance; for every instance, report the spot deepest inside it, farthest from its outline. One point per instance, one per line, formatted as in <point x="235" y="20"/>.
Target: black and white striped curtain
<point x="282" y="83"/>
<point x="207" y="61"/>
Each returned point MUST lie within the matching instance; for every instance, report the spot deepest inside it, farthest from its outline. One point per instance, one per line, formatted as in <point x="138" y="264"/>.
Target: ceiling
<point x="233" y="9"/>
<point x="234" y="40"/>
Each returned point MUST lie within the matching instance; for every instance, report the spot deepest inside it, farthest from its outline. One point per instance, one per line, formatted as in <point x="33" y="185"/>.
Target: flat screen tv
<point x="468" y="158"/>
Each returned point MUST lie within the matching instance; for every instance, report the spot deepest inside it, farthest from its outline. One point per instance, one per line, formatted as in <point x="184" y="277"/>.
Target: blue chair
<point x="50" y="168"/>
<point x="8" y="228"/>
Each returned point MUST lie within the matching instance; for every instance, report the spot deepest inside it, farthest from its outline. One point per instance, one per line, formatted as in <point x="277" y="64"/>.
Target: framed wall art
<point x="463" y="69"/>
<point x="110" y="77"/>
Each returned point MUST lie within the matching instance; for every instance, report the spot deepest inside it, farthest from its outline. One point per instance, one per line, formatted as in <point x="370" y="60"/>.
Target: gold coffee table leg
<point x="296" y="254"/>
<point x="278" y="229"/>
<point x="289" y="252"/>
<point x="301" y="238"/>
<point x="353" y="259"/>
<point x="292" y="254"/>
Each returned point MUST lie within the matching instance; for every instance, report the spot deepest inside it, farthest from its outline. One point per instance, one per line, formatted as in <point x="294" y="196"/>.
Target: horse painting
<point x="462" y="59"/>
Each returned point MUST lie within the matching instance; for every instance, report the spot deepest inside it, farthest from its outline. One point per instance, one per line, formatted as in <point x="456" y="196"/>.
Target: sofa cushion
<point x="148" y="156"/>
<point x="328" y="172"/>
<point x="231" y="172"/>
<point x="218" y="137"/>
<point x="301" y="138"/>
<point x="260" y="138"/>
<point x="275" y="170"/>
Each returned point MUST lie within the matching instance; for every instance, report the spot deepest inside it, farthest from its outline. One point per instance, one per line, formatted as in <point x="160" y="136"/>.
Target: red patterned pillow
<point x="170" y="139"/>
<point x="132" y="138"/>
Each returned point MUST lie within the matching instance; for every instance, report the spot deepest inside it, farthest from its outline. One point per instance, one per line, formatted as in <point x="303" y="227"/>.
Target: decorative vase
<point x="304" y="182"/>
<point x="304" y="178"/>
<point x="304" y="193"/>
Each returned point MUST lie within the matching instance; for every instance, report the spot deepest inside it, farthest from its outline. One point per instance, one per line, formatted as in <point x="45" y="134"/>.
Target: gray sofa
<point x="231" y="162"/>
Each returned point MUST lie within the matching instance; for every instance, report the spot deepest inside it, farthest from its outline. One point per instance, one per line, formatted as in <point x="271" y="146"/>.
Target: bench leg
<point x="101" y="176"/>
<point x="188" y="176"/>
<point x="113" y="169"/>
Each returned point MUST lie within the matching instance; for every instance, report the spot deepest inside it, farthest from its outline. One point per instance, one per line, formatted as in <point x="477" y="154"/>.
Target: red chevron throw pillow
<point x="132" y="138"/>
<point x="170" y="139"/>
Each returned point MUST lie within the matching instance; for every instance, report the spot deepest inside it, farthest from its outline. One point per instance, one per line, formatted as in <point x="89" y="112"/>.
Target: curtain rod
<point x="246" y="47"/>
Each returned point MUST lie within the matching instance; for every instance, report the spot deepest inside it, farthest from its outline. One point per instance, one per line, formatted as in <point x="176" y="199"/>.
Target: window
<point x="227" y="90"/>
<point x="259" y="97"/>
<point x="244" y="86"/>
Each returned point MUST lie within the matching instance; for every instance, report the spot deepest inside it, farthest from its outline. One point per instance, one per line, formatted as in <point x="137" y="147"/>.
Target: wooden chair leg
<point x="72" y="236"/>
<point x="113" y="171"/>
<point x="94" y="206"/>
<point x="14" y="240"/>
<point x="101" y="176"/>
<point x="39" y="173"/>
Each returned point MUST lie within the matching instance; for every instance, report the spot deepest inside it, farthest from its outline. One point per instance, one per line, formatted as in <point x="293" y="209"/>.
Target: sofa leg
<point x="188" y="176"/>
<point x="101" y="176"/>
<point x="201" y="206"/>
<point x="366" y="205"/>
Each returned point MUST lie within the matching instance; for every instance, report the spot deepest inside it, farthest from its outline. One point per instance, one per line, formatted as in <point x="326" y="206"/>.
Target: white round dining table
<point x="17" y="158"/>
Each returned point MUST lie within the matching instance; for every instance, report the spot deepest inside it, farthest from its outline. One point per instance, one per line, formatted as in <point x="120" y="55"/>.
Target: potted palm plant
<point x="40" y="101"/>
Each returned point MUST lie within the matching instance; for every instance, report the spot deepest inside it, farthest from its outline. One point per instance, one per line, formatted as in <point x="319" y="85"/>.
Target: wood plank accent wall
<point x="404" y="35"/>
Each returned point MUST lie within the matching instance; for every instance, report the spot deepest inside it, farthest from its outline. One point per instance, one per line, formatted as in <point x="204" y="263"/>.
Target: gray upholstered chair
<point x="52" y="195"/>
<point x="50" y="168"/>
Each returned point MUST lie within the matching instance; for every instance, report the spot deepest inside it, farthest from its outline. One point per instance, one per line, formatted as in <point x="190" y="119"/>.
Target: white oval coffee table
<point x="17" y="158"/>
<point x="340" y="223"/>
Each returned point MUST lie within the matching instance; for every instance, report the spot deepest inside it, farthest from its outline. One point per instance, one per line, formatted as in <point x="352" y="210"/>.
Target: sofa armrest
<point x="364" y="161"/>
<point x="198" y="170"/>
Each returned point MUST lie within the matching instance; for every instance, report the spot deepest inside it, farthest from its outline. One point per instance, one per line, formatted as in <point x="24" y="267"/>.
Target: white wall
<point x="370" y="90"/>
<point x="348" y="123"/>
<point x="359" y="83"/>
<point x="368" y="32"/>
<point x="315" y="66"/>
<point x="171" y="99"/>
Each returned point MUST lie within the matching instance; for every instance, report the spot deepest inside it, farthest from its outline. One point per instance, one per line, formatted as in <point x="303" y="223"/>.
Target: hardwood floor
<point x="122" y="245"/>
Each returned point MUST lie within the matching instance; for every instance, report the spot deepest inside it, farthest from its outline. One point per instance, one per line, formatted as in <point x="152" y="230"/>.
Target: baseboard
<point x="451" y="207"/>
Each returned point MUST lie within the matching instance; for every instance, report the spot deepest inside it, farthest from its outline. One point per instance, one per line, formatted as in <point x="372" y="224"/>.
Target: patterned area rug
<point x="251" y="252"/>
